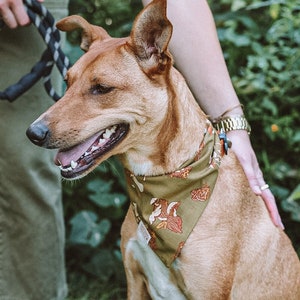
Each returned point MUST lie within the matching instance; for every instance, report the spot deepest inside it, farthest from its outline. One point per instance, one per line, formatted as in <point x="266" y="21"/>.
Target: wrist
<point x="232" y="119"/>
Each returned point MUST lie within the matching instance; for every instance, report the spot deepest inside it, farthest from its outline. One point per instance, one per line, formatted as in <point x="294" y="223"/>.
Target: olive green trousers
<point x="31" y="217"/>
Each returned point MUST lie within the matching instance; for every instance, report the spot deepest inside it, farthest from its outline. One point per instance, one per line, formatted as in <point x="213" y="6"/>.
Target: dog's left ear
<point x="90" y="33"/>
<point x="151" y="34"/>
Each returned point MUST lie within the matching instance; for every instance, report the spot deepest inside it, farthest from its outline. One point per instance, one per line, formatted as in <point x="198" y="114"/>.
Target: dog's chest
<point x="167" y="207"/>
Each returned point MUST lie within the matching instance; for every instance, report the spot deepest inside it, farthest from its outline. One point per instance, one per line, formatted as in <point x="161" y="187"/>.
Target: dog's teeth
<point x="94" y="148"/>
<point x="107" y="134"/>
<point x="64" y="169"/>
<point x="74" y="164"/>
<point x="101" y="141"/>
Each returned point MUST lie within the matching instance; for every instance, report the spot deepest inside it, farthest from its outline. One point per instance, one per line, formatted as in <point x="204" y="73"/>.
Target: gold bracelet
<point x="232" y="123"/>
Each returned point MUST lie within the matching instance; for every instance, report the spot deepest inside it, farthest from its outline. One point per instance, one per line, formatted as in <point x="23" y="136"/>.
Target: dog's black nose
<point x="38" y="133"/>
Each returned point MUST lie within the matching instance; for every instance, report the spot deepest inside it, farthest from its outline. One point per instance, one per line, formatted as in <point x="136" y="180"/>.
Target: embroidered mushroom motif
<point x="201" y="194"/>
<point x="166" y="215"/>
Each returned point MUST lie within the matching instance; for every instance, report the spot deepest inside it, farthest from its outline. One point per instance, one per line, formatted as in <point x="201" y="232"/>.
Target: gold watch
<point x="232" y="123"/>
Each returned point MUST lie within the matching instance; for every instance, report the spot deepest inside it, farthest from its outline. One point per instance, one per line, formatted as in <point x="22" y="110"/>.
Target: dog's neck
<point x="178" y="137"/>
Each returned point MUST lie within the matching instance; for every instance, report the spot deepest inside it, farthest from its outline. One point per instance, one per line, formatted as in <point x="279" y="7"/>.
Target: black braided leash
<point x="53" y="55"/>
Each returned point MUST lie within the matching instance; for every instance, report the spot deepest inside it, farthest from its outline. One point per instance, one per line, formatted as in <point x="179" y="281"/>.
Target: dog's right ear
<point x="90" y="33"/>
<point x="150" y="36"/>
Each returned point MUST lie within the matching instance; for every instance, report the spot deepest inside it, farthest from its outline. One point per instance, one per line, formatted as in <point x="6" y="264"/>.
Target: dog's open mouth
<point x="75" y="161"/>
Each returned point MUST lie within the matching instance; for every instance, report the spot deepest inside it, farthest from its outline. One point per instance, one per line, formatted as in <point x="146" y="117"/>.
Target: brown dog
<point x="124" y="98"/>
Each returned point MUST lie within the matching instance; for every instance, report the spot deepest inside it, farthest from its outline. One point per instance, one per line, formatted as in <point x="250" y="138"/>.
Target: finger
<point x="260" y="188"/>
<point x="13" y="14"/>
<point x="20" y="14"/>
<point x="254" y="184"/>
<point x="269" y="199"/>
<point x="254" y="176"/>
<point x="272" y="207"/>
<point x="241" y="146"/>
<point x="9" y="19"/>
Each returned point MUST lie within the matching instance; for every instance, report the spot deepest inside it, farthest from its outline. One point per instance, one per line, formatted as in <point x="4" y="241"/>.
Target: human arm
<point x="13" y="13"/>
<point x="203" y="65"/>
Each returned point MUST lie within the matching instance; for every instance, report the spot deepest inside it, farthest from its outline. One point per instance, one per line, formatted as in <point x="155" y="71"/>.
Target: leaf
<point x="104" y="265"/>
<point x="238" y="4"/>
<point x="86" y="230"/>
<point x="269" y="105"/>
<point x="101" y="265"/>
<point x="296" y="137"/>
<point x="295" y="196"/>
<point x="237" y="39"/>
<point x="108" y="199"/>
<point x="261" y="4"/>
<point x="98" y="186"/>
<point x="292" y="204"/>
<point x="101" y="193"/>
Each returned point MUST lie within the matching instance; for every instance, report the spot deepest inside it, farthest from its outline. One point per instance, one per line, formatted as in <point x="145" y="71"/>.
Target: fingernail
<point x="281" y="225"/>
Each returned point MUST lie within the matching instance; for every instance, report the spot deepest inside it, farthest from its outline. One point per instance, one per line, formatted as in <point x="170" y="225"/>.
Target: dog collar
<point x="167" y="207"/>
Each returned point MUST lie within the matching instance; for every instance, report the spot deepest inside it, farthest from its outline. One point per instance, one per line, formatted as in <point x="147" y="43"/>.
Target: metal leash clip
<point x="225" y="142"/>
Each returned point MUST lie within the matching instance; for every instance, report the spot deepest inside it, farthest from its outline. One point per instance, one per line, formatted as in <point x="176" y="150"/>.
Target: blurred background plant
<point x="263" y="37"/>
<point x="261" y="44"/>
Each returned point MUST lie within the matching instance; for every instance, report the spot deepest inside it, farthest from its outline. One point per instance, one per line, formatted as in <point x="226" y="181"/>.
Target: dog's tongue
<point x="64" y="158"/>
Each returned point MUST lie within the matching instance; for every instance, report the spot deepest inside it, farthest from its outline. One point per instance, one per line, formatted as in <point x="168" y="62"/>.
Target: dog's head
<point x="116" y="94"/>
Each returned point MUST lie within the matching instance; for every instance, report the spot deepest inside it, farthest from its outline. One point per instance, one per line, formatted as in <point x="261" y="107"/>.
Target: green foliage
<point x="261" y="44"/>
<point x="95" y="207"/>
<point x="292" y="204"/>
<point x="260" y="40"/>
<point x="86" y="230"/>
<point x="114" y="15"/>
<point x="102" y="195"/>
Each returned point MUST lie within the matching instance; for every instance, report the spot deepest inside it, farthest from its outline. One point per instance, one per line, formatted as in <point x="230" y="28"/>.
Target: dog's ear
<point x="90" y="33"/>
<point x="151" y="34"/>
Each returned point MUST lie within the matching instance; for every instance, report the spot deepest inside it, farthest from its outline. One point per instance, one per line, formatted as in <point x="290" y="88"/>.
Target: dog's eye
<point x="99" y="89"/>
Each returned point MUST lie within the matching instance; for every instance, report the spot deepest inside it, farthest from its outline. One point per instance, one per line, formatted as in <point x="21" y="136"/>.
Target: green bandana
<point x="167" y="207"/>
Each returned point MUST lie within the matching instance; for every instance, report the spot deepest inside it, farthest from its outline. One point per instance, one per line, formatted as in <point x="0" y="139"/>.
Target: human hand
<point x="242" y="147"/>
<point x="13" y="13"/>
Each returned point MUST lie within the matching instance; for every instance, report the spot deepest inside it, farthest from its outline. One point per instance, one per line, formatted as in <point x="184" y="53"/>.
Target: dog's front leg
<point x="136" y="282"/>
<point x="156" y="276"/>
<point x="136" y="286"/>
<point x="147" y="276"/>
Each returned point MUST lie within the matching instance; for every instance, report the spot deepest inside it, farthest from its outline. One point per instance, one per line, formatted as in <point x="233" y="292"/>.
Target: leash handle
<point x="53" y="55"/>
